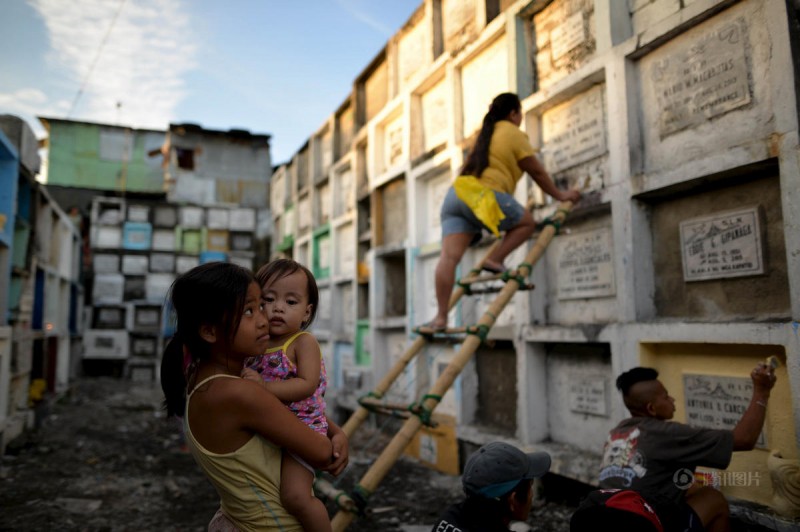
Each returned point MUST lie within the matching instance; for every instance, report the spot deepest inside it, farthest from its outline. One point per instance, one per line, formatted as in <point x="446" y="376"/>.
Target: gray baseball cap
<point x="497" y="467"/>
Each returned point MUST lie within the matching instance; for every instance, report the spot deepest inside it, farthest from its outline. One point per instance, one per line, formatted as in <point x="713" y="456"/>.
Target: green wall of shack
<point x="74" y="160"/>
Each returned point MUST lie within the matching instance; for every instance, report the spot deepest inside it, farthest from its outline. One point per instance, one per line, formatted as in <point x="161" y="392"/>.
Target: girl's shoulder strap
<point x="202" y="382"/>
<point x="292" y="338"/>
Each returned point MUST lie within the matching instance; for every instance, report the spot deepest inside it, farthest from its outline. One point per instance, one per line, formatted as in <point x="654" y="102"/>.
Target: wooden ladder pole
<point x="361" y="414"/>
<point x="398" y="444"/>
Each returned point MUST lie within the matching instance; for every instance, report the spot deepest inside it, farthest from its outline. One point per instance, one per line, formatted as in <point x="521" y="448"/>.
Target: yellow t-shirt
<point x="247" y="480"/>
<point x="509" y="145"/>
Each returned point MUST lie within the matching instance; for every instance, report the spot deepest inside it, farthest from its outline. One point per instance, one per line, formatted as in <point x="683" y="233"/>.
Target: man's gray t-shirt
<point x="658" y="458"/>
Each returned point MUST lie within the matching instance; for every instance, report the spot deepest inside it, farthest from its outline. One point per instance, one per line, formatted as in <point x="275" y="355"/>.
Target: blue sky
<point x="270" y="66"/>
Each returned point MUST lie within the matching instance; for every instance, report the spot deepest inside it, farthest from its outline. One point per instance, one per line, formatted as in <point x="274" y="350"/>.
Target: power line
<point x="94" y="61"/>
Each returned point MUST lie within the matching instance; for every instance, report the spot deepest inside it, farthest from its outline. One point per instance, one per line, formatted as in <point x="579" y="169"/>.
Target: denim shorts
<point x="457" y="217"/>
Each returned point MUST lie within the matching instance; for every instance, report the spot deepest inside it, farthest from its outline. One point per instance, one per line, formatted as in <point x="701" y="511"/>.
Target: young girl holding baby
<point x="235" y="428"/>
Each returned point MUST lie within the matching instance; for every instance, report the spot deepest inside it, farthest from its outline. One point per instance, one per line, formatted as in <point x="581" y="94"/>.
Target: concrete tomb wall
<point x="564" y="37"/>
<point x="756" y="212"/>
<point x="497" y="388"/>
<point x="482" y="78"/>
<point x="579" y="394"/>
<point x="581" y="277"/>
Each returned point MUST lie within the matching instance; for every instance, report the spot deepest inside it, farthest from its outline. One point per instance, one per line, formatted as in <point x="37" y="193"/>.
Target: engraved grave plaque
<point x="716" y="402"/>
<point x="324" y="251"/>
<point x="587" y="395"/>
<point x="585" y="267"/>
<point x="394" y="143"/>
<point x="702" y="78"/>
<point x="411" y="54"/>
<point x="435" y="116"/>
<point x="574" y="132"/>
<point x="567" y="35"/>
<point x="722" y="245"/>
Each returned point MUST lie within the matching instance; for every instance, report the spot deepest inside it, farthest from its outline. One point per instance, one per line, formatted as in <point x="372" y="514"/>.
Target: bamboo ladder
<point x="369" y="482"/>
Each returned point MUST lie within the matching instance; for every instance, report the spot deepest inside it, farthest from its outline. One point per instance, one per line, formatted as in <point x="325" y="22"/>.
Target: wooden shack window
<point x="185" y="158"/>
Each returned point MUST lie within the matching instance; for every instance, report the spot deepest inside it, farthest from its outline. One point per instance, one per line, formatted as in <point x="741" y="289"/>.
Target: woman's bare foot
<point x="437" y="324"/>
<point x="493" y="266"/>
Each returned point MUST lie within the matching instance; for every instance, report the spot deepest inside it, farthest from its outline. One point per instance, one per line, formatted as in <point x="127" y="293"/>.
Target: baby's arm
<point x="257" y="410"/>
<point x="307" y="358"/>
<point x="251" y="375"/>
<point x="275" y="387"/>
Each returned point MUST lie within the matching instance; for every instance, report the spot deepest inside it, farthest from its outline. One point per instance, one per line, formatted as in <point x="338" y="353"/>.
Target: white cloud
<point x="141" y="65"/>
<point x="28" y="104"/>
<point x="23" y="101"/>
<point x="359" y="13"/>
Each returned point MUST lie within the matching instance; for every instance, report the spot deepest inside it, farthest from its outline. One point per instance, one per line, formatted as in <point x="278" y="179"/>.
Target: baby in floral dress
<point x="292" y="368"/>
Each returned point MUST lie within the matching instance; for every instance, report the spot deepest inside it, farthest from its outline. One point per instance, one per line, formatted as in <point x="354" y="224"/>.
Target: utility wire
<point x="96" y="57"/>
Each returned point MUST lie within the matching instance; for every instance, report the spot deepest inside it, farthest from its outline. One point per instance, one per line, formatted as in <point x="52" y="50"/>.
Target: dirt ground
<point x="105" y="459"/>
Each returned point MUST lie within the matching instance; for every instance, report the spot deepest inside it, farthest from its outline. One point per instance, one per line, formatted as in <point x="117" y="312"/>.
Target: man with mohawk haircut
<point x="657" y="458"/>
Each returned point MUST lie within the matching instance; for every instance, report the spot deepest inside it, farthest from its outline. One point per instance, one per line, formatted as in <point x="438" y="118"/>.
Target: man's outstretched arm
<point x="746" y="432"/>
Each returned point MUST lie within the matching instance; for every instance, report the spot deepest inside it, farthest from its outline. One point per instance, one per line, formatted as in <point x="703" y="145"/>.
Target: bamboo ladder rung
<point x="497" y="289"/>
<point x="380" y="406"/>
<point x="401" y="413"/>
<point x="343" y="500"/>
<point x="394" y="409"/>
<point x="373" y="402"/>
<point x="472" y="279"/>
<point x="428" y="331"/>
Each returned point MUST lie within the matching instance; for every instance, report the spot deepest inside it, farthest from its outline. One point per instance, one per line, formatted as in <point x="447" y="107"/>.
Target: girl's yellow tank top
<point x="247" y="479"/>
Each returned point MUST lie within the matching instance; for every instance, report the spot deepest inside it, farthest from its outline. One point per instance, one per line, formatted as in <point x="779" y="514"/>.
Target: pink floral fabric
<point x="274" y="365"/>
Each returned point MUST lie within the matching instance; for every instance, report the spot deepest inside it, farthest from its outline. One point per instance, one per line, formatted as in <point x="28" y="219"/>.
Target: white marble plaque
<point x="726" y="244"/>
<point x="346" y="247"/>
<point x="702" y="78"/>
<point x="403" y="388"/>
<point x="394" y="143"/>
<point x="437" y="190"/>
<point x="567" y="35"/>
<point x="717" y="402"/>
<point x="483" y="78"/>
<point x="411" y="52"/>
<point x="574" y="132"/>
<point x="327" y="150"/>
<point x="304" y="213"/>
<point x="324" y="202"/>
<point x="585" y="265"/>
<point x="435" y="116"/>
<point x="325" y="310"/>
<point x="288" y="223"/>
<point x="324" y="250"/>
<point x="588" y="396"/>
<point x="344" y="191"/>
<point x="278" y="191"/>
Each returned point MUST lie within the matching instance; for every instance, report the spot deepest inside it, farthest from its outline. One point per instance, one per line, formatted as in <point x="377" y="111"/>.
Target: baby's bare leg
<point x="297" y="495"/>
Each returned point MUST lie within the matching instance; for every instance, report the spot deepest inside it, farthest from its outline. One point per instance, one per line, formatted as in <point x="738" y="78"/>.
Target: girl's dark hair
<point x="280" y="268"/>
<point x="501" y="107"/>
<point x="210" y="294"/>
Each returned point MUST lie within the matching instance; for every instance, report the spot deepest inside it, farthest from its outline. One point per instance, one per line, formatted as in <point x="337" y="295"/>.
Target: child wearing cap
<point x="497" y="481"/>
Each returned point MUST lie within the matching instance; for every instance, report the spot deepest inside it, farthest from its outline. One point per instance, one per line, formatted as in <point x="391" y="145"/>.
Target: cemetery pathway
<point x="105" y="458"/>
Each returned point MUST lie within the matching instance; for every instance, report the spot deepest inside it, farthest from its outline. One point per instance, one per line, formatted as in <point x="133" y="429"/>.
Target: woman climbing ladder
<point x="482" y="197"/>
